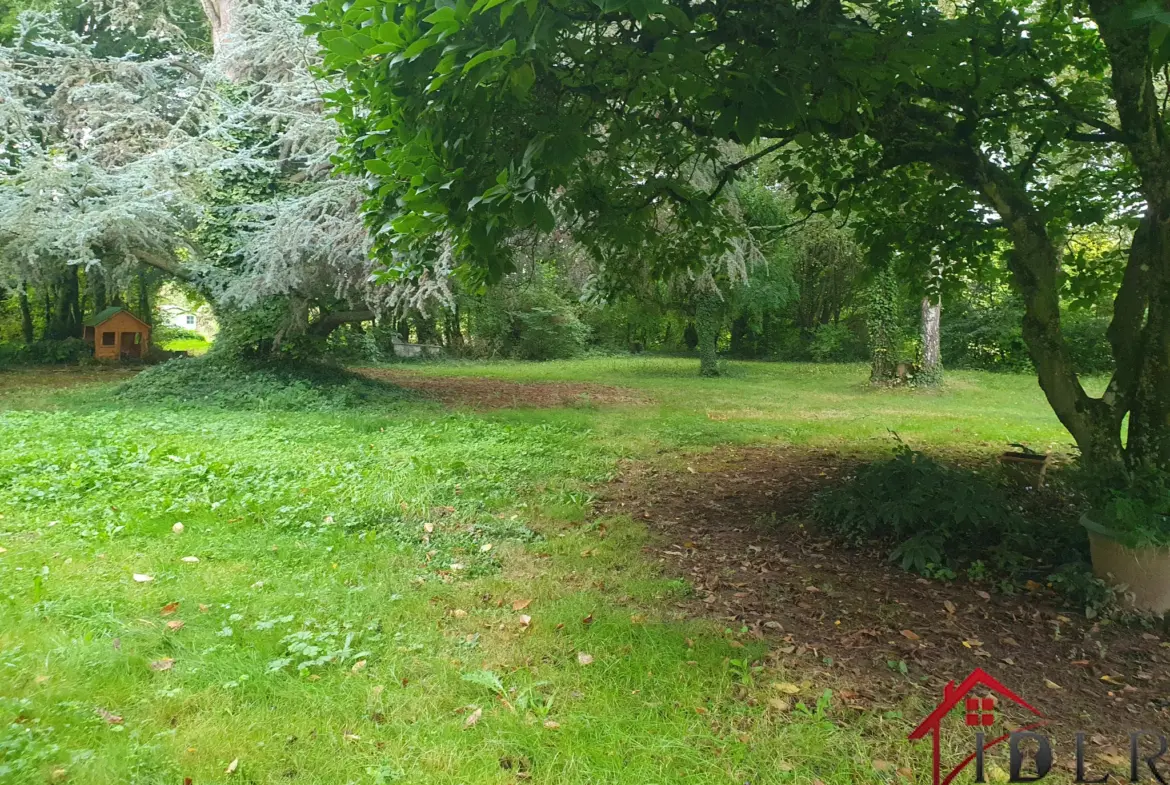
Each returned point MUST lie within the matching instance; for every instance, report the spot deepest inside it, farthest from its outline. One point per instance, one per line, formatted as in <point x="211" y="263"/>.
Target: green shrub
<point x="232" y="383"/>
<point x="836" y="343"/>
<point x="1088" y="341"/>
<point x="1137" y="514"/>
<point x="989" y="337"/>
<point x="941" y="521"/>
<point x="162" y="333"/>
<point x="527" y="322"/>
<point x="67" y="351"/>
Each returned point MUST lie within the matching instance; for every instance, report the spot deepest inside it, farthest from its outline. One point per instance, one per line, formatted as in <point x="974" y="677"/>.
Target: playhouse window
<point x="190" y="320"/>
<point x="108" y="339"/>
<point x="980" y="711"/>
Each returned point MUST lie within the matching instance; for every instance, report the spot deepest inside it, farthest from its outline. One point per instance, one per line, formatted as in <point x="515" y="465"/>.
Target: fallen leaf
<point x="347" y="736"/>
<point x="787" y="687"/>
<point x="459" y="613"/>
<point x="473" y="717"/>
<point x="552" y="724"/>
<point x="588" y="619"/>
<point x="984" y="595"/>
<point x="950" y="606"/>
<point x="520" y="605"/>
<point x="165" y="664"/>
<point x="140" y="578"/>
<point x="231" y="769"/>
<point x="1052" y="685"/>
<point x="911" y="635"/>
<point x="190" y="559"/>
<point x="108" y="716"/>
<point x="525" y="620"/>
<point x="584" y="659"/>
<point x="882" y="765"/>
<point x="779" y="704"/>
<point x="204" y="608"/>
<point x="169" y="608"/>
<point x="174" y="626"/>
<point x="358" y="666"/>
<point x="429" y="528"/>
<point x="487" y="546"/>
<point x="700" y="710"/>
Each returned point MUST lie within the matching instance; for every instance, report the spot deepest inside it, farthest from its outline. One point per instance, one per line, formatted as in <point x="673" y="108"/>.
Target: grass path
<point x="413" y="594"/>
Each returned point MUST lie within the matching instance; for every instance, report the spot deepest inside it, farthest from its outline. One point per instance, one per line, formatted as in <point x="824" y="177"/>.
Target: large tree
<point x="474" y="119"/>
<point x="214" y="169"/>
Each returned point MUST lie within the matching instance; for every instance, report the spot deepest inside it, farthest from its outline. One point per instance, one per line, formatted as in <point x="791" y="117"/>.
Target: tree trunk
<point x="930" y="371"/>
<point x="144" y="310"/>
<point x="740" y="337"/>
<point x="26" y="318"/>
<point x="97" y="288"/>
<point x="453" y="330"/>
<point x="708" y="325"/>
<point x="220" y="16"/>
<point x="882" y="324"/>
<point x="65" y="322"/>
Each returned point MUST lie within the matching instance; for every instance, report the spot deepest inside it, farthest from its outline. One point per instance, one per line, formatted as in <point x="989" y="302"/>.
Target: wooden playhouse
<point x="117" y="334"/>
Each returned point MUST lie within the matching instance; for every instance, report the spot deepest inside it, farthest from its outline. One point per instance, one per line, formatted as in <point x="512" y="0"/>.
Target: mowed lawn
<point x="413" y="593"/>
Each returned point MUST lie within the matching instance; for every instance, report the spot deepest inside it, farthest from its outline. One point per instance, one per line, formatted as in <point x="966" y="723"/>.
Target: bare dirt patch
<point x="483" y="393"/>
<point x="735" y="524"/>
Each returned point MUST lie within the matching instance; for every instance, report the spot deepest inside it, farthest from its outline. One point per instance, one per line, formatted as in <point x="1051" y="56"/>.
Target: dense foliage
<point x="944" y="521"/>
<point x="1036" y="127"/>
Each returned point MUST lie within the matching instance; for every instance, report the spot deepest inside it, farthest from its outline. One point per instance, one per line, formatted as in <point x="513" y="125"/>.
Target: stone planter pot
<point x="1143" y="573"/>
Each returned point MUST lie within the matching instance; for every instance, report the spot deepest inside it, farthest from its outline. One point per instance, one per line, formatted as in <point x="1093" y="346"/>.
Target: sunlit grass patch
<point x="401" y="593"/>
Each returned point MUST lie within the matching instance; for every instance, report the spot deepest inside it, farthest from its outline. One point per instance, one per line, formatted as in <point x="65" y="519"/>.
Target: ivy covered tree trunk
<point x="708" y="325"/>
<point x="882" y="321"/>
<point x="930" y="371"/>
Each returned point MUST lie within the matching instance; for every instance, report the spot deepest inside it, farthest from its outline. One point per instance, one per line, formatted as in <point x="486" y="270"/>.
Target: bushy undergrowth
<point x="943" y="521"/>
<point x="232" y="383"/>
<point x="68" y="351"/>
<point x="533" y="322"/>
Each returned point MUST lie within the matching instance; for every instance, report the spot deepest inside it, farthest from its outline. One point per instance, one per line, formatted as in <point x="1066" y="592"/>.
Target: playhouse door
<point x="131" y="344"/>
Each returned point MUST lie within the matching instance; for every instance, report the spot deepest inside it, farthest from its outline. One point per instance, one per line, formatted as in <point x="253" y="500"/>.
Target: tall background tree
<point x="480" y="118"/>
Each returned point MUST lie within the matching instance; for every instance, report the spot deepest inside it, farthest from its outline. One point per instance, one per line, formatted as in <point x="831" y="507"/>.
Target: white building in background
<point x="178" y="310"/>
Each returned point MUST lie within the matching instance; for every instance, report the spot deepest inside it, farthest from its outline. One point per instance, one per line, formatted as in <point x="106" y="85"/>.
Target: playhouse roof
<point x="107" y="314"/>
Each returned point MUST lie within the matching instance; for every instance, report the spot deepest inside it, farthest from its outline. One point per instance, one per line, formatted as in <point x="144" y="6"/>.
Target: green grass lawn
<point x="192" y="346"/>
<point x="412" y="594"/>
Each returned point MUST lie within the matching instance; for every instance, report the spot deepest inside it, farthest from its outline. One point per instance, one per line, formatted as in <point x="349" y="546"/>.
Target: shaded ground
<point x="58" y="377"/>
<point x="732" y="523"/>
<point x="485" y="393"/>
